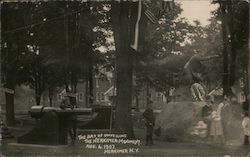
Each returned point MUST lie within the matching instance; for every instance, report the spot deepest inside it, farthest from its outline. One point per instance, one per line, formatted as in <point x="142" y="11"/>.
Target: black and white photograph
<point x="130" y="78"/>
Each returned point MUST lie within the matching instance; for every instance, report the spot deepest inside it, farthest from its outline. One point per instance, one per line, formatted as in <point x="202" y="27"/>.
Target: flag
<point x="139" y="17"/>
<point x="136" y="27"/>
<point x="150" y="16"/>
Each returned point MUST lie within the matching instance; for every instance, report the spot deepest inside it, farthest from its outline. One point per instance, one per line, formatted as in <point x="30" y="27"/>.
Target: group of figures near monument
<point x="225" y="119"/>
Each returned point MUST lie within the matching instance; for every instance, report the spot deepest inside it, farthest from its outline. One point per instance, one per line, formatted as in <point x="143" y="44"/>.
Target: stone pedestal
<point x="45" y="132"/>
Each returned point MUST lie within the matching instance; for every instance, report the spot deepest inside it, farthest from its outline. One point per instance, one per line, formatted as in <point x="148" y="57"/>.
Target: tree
<point x="162" y="60"/>
<point x="14" y="43"/>
<point x="34" y="46"/>
<point x="124" y="68"/>
<point x="171" y="43"/>
<point x="123" y="17"/>
<point x="235" y="30"/>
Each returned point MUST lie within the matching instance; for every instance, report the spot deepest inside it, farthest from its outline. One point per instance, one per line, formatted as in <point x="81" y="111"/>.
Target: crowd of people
<point x="212" y="116"/>
<point x="224" y="118"/>
<point x="225" y="121"/>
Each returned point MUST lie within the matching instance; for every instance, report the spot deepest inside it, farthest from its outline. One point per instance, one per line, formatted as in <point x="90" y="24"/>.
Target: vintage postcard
<point x="137" y="78"/>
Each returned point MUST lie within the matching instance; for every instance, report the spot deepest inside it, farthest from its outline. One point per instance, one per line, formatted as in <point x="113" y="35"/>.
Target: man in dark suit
<point x="71" y="120"/>
<point x="149" y="117"/>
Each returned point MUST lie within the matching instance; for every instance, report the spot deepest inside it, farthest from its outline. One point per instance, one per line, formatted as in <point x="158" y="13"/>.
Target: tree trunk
<point x="51" y="90"/>
<point x="147" y="93"/>
<point x="225" y="78"/>
<point x="10" y="112"/>
<point x="86" y="73"/>
<point x="123" y="119"/>
<point x="73" y="87"/>
<point x="37" y="88"/>
<point x="137" y="102"/>
<point x="248" y="69"/>
<point x="233" y="46"/>
<point x="90" y="80"/>
<point x="66" y="28"/>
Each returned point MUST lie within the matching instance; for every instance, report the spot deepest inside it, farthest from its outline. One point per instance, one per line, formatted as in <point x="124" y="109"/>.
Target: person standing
<point x="246" y="128"/>
<point x="231" y="118"/>
<point x="149" y="117"/>
<point x="216" y="129"/>
<point x="71" y="119"/>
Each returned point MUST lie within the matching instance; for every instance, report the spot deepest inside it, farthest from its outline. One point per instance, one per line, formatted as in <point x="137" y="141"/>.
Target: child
<point x="149" y="117"/>
<point x="246" y="128"/>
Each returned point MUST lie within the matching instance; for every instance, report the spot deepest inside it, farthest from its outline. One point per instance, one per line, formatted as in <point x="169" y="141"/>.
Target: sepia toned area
<point x="125" y="78"/>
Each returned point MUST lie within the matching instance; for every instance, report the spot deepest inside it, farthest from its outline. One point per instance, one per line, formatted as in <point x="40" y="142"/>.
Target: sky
<point x="197" y="10"/>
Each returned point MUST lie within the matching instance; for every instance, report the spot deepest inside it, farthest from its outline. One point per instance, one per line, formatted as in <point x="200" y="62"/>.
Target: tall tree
<point x="14" y="43"/>
<point x="234" y="28"/>
<point x="32" y="31"/>
<point x="120" y="21"/>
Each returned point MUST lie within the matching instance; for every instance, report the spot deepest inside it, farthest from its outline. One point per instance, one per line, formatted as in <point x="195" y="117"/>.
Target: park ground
<point x="160" y="148"/>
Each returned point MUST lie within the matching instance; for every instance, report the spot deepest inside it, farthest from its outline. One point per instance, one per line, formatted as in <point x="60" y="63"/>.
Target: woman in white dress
<point x="216" y="129"/>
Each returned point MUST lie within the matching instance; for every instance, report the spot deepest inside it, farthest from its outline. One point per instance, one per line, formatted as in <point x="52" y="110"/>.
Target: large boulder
<point x="181" y="120"/>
